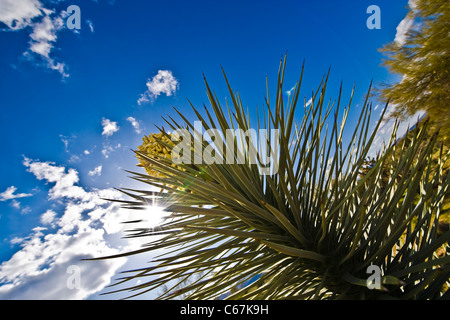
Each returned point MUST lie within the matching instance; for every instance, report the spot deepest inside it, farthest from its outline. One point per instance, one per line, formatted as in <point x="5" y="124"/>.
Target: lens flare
<point x="155" y="215"/>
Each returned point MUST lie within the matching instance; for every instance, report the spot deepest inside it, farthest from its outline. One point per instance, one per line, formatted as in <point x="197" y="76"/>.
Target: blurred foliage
<point x="423" y="63"/>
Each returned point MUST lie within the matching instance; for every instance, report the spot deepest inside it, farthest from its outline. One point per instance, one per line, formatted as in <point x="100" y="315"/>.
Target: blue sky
<point x="75" y="101"/>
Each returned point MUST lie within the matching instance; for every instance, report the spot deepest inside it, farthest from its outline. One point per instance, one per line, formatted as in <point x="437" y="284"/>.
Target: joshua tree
<point x="312" y="228"/>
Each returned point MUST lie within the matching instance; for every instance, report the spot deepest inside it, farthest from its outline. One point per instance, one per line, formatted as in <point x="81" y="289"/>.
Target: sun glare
<point x="154" y="216"/>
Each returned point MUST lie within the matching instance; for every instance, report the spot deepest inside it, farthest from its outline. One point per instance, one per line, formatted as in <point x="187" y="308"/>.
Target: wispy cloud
<point x="135" y="124"/>
<point x="163" y="82"/>
<point x="108" y="149"/>
<point x="42" y="42"/>
<point x="96" y="172"/>
<point x="44" y="24"/>
<point x="291" y="90"/>
<point x="90" y="25"/>
<point x="109" y="127"/>
<point x="17" y="205"/>
<point x="10" y="194"/>
<point x="65" y="140"/>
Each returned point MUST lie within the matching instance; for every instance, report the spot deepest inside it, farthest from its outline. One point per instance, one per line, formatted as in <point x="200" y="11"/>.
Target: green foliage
<point x="310" y="230"/>
<point x="423" y="62"/>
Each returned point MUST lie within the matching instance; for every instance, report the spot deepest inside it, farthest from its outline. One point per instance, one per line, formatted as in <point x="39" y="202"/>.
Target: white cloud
<point x="9" y="194"/>
<point x="402" y="30"/>
<point x="135" y="124"/>
<point x="66" y="141"/>
<point x="26" y="210"/>
<point x="44" y="33"/>
<point x="109" y="127"/>
<point x="406" y="24"/>
<point x="308" y="102"/>
<point x="16" y="240"/>
<point x="15" y="204"/>
<point x="163" y="82"/>
<point x="41" y="268"/>
<point x="90" y="25"/>
<point x="107" y="150"/>
<point x="18" y="14"/>
<point x="64" y="182"/>
<point x="96" y="172"/>
<point x="45" y="25"/>
<point x="74" y="158"/>
<point x="42" y="42"/>
<point x="48" y="217"/>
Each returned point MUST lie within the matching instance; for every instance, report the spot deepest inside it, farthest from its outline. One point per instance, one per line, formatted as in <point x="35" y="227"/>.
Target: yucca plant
<point x="313" y="228"/>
